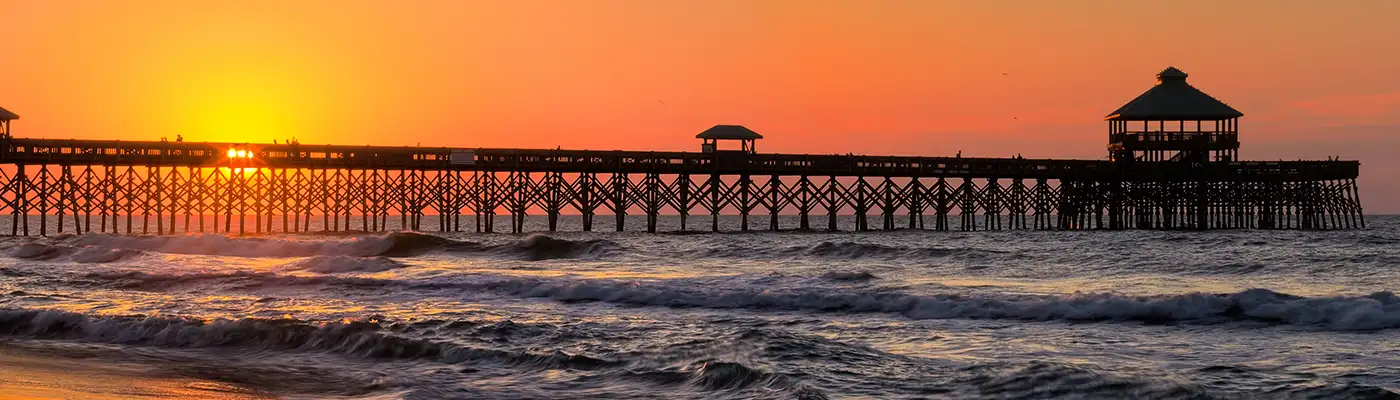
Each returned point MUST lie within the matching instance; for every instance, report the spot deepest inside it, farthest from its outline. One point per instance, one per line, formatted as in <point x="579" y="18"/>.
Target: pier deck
<point x="304" y="156"/>
<point x="77" y="180"/>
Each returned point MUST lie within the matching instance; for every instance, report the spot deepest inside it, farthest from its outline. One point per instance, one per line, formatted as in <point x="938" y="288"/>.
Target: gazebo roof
<point x="6" y="115"/>
<point x="1173" y="99"/>
<point x="729" y="132"/>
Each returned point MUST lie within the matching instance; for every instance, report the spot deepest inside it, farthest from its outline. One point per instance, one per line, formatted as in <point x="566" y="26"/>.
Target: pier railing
<point x="293" y="156"/>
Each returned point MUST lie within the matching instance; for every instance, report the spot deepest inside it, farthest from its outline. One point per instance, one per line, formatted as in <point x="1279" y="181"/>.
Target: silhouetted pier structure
<point x="1173" y="164"/>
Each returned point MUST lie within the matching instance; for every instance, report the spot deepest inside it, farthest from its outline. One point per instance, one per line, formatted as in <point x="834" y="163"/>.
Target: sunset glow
<point x="700" y="199"/>
<point x="893" y="77"/>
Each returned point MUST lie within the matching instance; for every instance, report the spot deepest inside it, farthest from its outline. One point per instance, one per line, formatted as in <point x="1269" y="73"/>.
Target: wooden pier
<point x="1172" y="164"/>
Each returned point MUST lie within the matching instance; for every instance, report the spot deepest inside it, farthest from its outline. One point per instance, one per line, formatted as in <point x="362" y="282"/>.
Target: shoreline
<point x="31" y="374"/>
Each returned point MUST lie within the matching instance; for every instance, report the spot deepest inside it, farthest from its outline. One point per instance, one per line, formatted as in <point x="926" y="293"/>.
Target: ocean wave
<point x="37" y="251"/>
<point x="220" y="245"/>
<point x="716" y="364"/>
<point x="716" y="375"/>
<point x="410" y="244"/>
<point x="1377" y="239"/>
<point x="95" y="255"/>
<point x="238" y="280"/>
<point x="492" y="331"/>
<point x="849" y="276"/>
<point x="1373" y="312"/>
<point x="542" y="247"/>
<point x="394" y="244"/>
<point x="1377" y="311"/>
<point x="380" y="341"/>
<point x="86" y="254"/>
<point x="1053" y="380"/>
<point x="344" y="264"/>
<point x="363" y="339"/>
<point x="851" y="251"/>
<point x="397" y="244"/>
<point x="1043" y="379"/>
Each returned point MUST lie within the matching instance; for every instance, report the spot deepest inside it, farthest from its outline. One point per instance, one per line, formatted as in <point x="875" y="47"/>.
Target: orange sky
<point x="927" y="77"/>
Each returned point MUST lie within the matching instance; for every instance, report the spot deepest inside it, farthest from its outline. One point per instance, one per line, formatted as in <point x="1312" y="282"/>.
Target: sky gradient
<point x="990" y="78"/>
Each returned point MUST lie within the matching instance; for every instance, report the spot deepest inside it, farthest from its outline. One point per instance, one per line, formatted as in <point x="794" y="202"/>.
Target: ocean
<point x="902" y="314"/>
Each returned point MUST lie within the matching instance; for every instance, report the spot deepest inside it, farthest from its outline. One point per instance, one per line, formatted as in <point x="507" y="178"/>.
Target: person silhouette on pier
<point x="959" y="154"/>
<point x="179" y="138"/>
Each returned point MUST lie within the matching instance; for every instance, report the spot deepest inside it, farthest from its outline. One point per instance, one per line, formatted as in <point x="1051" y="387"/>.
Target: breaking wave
<point x="239" y="280"/>
<point x="97" y="255"/>
<point x="542" y="247"/>
<point x="36" y="251"/>
<point x="409" y="244"/>
<point x="380" y="341"/>
<point x="849" y="250"/>
<point x="852" y="251"/>
<point x="398" y="244"/>
<point x="1373" y="312"/>
<point x="344" y="264"/>
<point x="1377" y="311"/>
<point x="364" y="339"/>
<point x="208" y="244"/>
<point x="87" y="254"/>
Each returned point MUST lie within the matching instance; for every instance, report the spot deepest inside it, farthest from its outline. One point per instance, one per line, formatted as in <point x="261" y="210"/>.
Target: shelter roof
<point x="1173" y="99"/>
<point x="729" y="132"/>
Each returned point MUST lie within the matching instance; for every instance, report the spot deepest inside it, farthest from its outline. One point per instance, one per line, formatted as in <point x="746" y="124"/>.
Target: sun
<point x="239" y="154"/>
<point x="238" y="161"/>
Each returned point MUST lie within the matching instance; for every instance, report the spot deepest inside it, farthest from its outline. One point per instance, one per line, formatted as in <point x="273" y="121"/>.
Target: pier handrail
<point x="213" y="154"/>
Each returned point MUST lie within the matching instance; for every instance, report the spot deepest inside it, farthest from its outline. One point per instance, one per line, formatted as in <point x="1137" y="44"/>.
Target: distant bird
<point x="662" y="102"/>
<point x="1003" y="73"/>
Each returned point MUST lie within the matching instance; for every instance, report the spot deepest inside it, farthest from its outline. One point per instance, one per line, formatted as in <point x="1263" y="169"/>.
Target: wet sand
<point x="29" y="375"/>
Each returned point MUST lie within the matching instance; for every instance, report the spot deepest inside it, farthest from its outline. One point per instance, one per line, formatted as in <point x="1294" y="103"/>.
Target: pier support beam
<point x="984" y="194"/>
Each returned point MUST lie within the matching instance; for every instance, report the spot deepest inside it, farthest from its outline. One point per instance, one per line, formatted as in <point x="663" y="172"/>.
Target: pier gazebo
<point x="1174" y="121"/>
<point x="5" y="117"/>
<point x="712" y="136"/>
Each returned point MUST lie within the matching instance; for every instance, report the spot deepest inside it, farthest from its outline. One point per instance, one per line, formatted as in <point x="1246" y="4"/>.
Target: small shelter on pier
<point x="1173" y="121"/>
<point x="712" y="136"/>
<point x="5" y="117"/>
